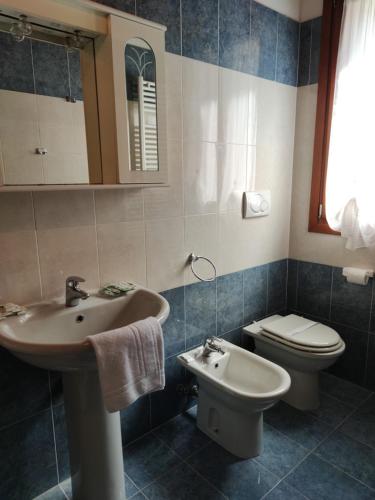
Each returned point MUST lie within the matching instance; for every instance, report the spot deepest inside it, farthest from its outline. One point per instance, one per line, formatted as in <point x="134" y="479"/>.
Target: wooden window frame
<point x="331" y="28"/>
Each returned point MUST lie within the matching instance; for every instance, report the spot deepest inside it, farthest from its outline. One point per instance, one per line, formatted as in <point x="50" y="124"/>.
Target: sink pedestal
<point x="94" y="435"/>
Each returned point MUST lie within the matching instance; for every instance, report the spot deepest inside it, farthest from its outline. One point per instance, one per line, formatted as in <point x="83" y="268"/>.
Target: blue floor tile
<point x="29" y="468"/>
<point x="55" y="493"/>
<point x="138" y="496"/>
<point x="331" y="410"/>
<point x="235" y="477"/>
<point x="280" y="454"/>
<point x="361" y="425"/>
<point x="318" y="480"/>
<point x="183" y="484"/>
<point x="284" y="491"/>
<point x="353" y="457"/>
<point x="182" y="434"/>
<point x="302" y="427"/>
<point x="61" y="439"/>
<point x="130" y="487"/>
<point x="351" y="394"/>
<point x="147" y="459"/>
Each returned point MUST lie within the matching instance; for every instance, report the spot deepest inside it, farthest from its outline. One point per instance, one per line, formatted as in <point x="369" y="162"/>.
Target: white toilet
<point x="235" y="387"/>
<point x="303" y="348"/>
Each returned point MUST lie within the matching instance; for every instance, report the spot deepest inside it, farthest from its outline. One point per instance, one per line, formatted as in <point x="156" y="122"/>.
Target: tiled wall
<point x="39" y="67"/>
<point x="242" y="35"/>
<point x="309" y="51"/>
<point x="320" y="291"/>
<point x="32" y="422"/>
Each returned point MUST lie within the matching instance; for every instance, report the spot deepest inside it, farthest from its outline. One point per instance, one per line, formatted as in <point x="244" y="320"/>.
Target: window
<point x="331" y="25"/>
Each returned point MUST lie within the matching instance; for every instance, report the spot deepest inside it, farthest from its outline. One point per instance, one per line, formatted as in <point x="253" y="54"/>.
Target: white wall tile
<point x="173" y="87"/>
<point x="231" y="159"/>
<point x="200" y="88"/>
<point x="118" y="205"/>
<point x="16" y="212"/>
<point x="64" y="252"/>
<point x="290" y="8"/>
<point x="200" y="177"/>
<point x="165" y="253"/>
<point x="201" y="238"/>
<point x="122" y="252"/>
<point x="233" y="106"/>
<point x="167" y="201"/>
<point x="55" y="209"/>
<point x="20" y="281"/>
<point x="310" y="9"/>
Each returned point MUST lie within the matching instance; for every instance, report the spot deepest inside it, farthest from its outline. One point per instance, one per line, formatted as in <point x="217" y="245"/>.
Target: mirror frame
<point x="114" y="125"/>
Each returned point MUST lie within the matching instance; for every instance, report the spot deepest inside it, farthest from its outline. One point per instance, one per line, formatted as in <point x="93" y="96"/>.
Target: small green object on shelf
<point x="117" y="289"/>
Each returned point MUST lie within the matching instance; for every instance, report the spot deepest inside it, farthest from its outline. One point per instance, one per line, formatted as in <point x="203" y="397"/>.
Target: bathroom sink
<point x="54" y="337"/>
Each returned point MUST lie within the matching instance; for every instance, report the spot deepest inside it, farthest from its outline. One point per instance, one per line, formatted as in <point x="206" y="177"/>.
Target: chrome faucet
<point x="73" y="293"/>
<point x="210" y="346"/>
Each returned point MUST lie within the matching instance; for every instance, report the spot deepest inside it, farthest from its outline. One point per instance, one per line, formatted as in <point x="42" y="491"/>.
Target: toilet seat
<point x="302" y="334"/>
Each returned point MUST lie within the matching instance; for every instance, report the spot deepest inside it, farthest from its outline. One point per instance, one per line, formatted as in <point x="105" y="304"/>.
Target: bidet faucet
<point x="73" y="293"/>
<point x="210" y="346"/>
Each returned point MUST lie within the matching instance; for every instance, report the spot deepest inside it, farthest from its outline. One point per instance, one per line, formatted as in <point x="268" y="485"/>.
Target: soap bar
<point x="117" y="289"/>
<point x="10" y="309"/>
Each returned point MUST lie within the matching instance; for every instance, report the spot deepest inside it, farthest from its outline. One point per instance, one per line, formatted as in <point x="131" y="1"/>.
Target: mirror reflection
<point x="140" y="69"/>
<point x="42" y="119"/>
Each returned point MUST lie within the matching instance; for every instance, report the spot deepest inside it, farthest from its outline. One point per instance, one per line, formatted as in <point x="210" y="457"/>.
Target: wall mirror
<point x="44" y="123"/>
<point x="141" y="93"/>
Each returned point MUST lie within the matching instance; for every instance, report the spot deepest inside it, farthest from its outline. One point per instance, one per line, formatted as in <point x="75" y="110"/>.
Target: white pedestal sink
<point x="54" y="337"/>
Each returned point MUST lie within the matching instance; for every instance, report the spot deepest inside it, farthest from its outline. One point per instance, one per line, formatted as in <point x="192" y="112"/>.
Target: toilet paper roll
<point x="357" y="276"/>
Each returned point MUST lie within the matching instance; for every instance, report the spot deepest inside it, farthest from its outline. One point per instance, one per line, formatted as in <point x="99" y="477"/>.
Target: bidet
<point x="235" y="387"/>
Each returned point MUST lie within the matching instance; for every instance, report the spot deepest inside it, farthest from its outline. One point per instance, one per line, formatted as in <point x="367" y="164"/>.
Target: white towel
<point x="130" y="361"/>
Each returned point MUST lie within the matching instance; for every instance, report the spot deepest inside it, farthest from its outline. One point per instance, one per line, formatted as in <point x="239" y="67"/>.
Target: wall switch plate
<point x="256" y="204"/>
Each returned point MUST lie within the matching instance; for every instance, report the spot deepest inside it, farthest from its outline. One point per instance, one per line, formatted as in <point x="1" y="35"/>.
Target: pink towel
<point x="130" y="361"/>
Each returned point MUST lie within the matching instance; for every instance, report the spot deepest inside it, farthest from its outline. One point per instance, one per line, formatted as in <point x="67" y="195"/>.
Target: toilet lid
<point x="302" y="332"/>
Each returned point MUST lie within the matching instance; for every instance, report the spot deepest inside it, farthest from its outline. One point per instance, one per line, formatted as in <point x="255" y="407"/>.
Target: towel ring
<point x="194" y="258"/>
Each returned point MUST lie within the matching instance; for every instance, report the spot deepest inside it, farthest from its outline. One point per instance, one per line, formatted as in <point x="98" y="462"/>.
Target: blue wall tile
<point x="351" y="364"/>
<point x="304" y="53"/>
<point x="169" y="402"/>
<point x="16" y="70"/>
<point x="61" y="439"/>
<point x="24" y="390"/>
<point x="235" y="337"/>
<point x="287" y="50"/>
<point x="200" y="30"/>
<point x="277" y="276"/>
<point x="351" y="304"/>
<point x="50" y="69"/>
<point x="263" y="38"/>
<point x="314" y="289"/>
<point x="124" y="5"/>
<point x="165" y="12"/>
<point x="174" y="327"/>
<point x="136" y="419"/>
<point x="234" y="35"/>
<point x="370" y="367"/>
<point x="200" y="304"/>
<point x="292" y="284"/>
<point x="230" y="302"/>
<point x="255" y="293"/>
<point x="316" y="29"/>
<point x="28" y="465"/>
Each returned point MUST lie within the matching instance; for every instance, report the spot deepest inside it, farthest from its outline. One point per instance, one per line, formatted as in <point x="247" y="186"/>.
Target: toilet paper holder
<point x="357" y="276"/>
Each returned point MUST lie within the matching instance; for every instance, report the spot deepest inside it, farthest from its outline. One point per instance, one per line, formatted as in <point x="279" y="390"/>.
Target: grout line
<point x="53" y="427"/>
<point x="37" y="245"/>
<point x="64" y="492"/>
<point x="312" y="451"/>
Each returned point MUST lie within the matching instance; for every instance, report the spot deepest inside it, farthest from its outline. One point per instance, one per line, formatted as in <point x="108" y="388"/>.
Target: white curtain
<point x="350" y="187"/>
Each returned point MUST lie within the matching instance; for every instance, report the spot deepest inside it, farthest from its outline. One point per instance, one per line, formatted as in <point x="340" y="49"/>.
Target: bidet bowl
<point x="54" y="337"/>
